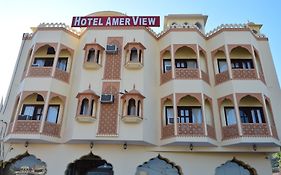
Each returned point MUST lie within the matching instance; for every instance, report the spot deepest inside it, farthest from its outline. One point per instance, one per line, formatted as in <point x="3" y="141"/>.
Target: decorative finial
<point x="95" y="40"/>
<point x="89" y="86"/>
<point x="134" y="39"/>
<point x="134" y="87"/>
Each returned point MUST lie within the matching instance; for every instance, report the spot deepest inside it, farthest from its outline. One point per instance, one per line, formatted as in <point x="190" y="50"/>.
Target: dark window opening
<point x="186" y="63"/>
<point x="43" y="62"/>
<point x="51" y="51"/>
<point x="169" y="115"/>
<point x="242" y="64"/>
<point x="91" y="55"/>
<point x="84" y="107"/>
<point x="132" y="107"/>
<point x="167" y="65"/>
<point x="134" y="55"/>
<point x="230" y="117"/>
<point x="222" y="65"/>
<point x="31" y="112"/>
<point x="189" y="114"/>
<point x="53" y="113"/>
<point x="62" y="63"/>
<point x="251" y="115"/>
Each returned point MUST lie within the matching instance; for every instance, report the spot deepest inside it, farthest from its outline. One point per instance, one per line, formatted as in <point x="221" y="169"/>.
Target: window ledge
<point x="92" y="65"/>
<point x="85" y="118"/>
<point x="131" y="119"/>
<point x="133" y="65"/>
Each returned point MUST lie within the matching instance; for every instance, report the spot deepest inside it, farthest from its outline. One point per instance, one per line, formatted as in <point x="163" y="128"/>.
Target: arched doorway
<point x="235" y="167"/>
<point x="158" y="166"/>
<point x="89" y="165"/>
<point x="24" y="164"/>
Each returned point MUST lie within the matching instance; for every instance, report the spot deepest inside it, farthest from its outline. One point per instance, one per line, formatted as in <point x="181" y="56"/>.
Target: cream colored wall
<point x="133" y="156"/>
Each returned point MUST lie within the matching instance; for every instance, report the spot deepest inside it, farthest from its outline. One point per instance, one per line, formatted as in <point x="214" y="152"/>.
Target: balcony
<point x="133" y="65"/>
<point x="191" y="129"/>
<point x="165" y="77"/>
<point x="187" y="73"/>
<point x="40" y="72"/>
<point x="229" y="132"/>
<point x="131" y="119"/>
<point x="27" y="127"/>
<point x="85" y="118"/>
<point x="62" y="75"/>
<point x="222" y="77"/>
<point x="255" y="130"/>
<point x="51" y="129"/>
<point x="244" y="74"/>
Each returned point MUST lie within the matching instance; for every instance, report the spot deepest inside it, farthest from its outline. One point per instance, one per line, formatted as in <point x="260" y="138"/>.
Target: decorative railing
<point x="168" y="131"/>
<point x="222" y="77"/>
<point x="187" y="73"/>
<point x="255" y="129"/>
<point x="229" y="132"/>
<point x="59" y="25"/>
<point x="40" y="72"/>
<point x="165" y="77"/>
<point x="51" y="129"/>
<point x="62" y="75"/>
<point x="244" y="74"/>
<point x="190" y="129"/>
<point x="27" y="126"/>
<point x="211" y="132"/>
<point x="262" y="77"/>
<point x="205" y="77"/>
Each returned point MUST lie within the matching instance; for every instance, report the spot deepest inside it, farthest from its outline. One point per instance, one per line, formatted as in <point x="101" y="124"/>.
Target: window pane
<point x="167" y="65"/>
<point x="52" y="115"/>
<point x="191" y="63"/>
<point x="222" y="65"/>
<point x="62" y="64"/>
<point x="197" y="115"/>
<point x="230" y="117"/>
<point x="169" y="115"/>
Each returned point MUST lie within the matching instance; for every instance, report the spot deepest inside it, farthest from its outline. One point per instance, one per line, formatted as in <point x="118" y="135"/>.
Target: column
<point x="45" y="110"/>
<point x="266" y="115"/>
<point x="173" y="61"/>
<point x="237" y="112"/>
<point x="255" y="62"/>
<point x="203" y="114"/>
<point x="17" y="112"/>
<point x="56" y="60"/>
<point x="198" y="60"/>
<point x="30" y="60"/>
<point x="175" y="114"/>
<point x="228" y="61"/>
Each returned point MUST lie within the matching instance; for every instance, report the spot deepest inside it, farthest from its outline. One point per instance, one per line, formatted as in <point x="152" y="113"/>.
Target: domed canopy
<point x="88" y="91"/>
<point x="133" y="92"/>
<point x="107" y="13"/>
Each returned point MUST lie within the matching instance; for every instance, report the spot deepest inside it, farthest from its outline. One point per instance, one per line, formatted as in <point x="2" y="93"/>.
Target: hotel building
<point x="126" y="100"/>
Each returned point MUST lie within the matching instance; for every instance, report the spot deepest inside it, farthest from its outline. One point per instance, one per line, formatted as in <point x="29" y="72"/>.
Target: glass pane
<point x="169" y="115"/>
<point x="197" y="115"/>
<point x="230" y="116"/>
<point x="52" y="115"/>
<point x="222" y="66"/>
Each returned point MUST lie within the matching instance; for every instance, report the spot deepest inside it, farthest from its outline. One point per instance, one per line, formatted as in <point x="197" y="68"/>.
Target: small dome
<point x="88" y="91"/>
<point x="107" y="13"/>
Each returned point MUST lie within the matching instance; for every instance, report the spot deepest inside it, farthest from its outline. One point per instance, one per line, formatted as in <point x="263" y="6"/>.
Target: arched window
<point x="50" y="51"/>
<point x="134" y="55"/>
<point x="139" y="108"/>
<point x="132" y="107"/>
<point x="91" y="55"/>
<point x="84" y="106"/>
<point x="235" y="167"/>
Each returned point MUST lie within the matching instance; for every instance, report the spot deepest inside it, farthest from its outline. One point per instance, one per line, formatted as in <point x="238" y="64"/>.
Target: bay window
<point x="222" y="65"/>
<point x="62" y="63"/>
<point x="186" y="63"/>
<point x="230" y="117"/>
<point x="43" y="62"/>
<point x="167" y="65"/>
<point x="31" y="112"/>
<point x="242" y="64"/>
<point x="53" y="113"/>
<point x="251" y="115"/>
<point x="189" y="114"/>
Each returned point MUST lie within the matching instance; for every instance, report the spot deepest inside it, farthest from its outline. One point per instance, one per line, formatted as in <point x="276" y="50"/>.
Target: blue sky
<point x="17" y="16"/>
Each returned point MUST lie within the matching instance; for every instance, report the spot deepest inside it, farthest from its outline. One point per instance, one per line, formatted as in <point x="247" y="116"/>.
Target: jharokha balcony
<point x="194" y="124"/>
<point x="36" y="118"/>
<point x="252" y="124"/>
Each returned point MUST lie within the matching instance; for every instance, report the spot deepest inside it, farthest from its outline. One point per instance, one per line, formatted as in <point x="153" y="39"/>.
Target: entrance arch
<point x="158" y="166"/>
<point x="89" y="164"/>
<point x="235" y="167"/>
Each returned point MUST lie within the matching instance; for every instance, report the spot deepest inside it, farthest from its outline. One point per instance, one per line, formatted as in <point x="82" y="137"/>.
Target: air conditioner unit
<point x="111" y="49"/>
<point x="107" y="98"/>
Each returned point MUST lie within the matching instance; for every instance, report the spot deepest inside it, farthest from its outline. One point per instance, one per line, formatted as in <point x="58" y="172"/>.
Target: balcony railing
<point x="51" y="129"/>
<point x="205" y="77"/>
<point x="255" y="130"/>
<point x="165" y="77"/>
<point x="191" y="129"/>
<point x="244" y="74"/>
<point x="211" y="132"/>
<point x="27" y="126"/>
<point x="168" y="131"/>
<point x="222" y="77"/>
<point x="40" y="72"/>
<point x="229" y="132"/>
<point x="187" y="73"/>
<point x="62" y="75"/>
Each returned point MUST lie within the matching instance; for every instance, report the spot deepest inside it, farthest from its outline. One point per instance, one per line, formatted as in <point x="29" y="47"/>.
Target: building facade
<point x="125" y="100"/>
